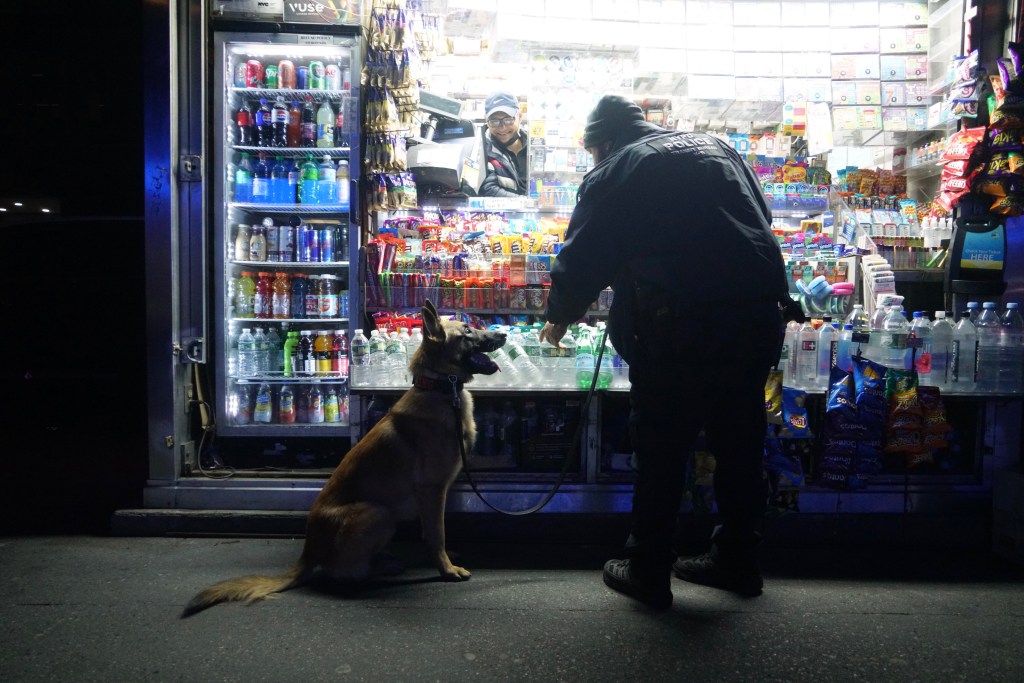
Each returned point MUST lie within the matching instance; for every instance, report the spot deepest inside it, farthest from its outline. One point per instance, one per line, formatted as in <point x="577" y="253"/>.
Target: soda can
<point x="286" y="242"/>
<point x="273" y="250"/>
<point x="310" y="249"/>
<point x="302" y="78"/>
<point x="240" y="71"/>
<point x="327" y="244"/>
<point x="254" y="74"/>
<point x="270" y="74"/>
<point x="286" y="74"/>
<point x="317" y="76"/>
<point x="333" y="74"/>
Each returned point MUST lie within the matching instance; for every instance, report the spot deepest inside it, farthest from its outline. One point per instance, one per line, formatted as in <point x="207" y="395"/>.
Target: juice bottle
<point x="331" y="410"/>
<point x="316" y="405"/>
<point x="300" y="285"/>
<point x="245" y="294"/>
<point x="322" y="350"/>
<point x="262" y="302"/>
<point x="313" y="296"/>
<point x="339" y="354"/>
<point x="286" y="405"/>
<point x="306" y="362"/>
<point x="281" y="302"/>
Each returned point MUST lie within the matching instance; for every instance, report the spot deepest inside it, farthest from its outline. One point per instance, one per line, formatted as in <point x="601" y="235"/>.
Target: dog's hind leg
<point x="360" y="532"/>
<point x="431" y="501"/>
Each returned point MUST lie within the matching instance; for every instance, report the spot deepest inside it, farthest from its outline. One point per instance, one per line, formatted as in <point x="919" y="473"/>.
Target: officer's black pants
<point x="700" y="369"/>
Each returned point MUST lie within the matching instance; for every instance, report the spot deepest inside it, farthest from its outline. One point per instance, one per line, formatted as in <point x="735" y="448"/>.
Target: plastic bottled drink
<point x="1011" y="370"/>
<point x="529" y="373"/>
<point x="584" y="359"/>
<point x="307" y="122"/>
<point x="281" y="299"/>
<point x="394" y="360"/>
<point x="264" y="410"/>
<point x="567" y="361"/>
<point x="243" y="179"/>
<point x="378" y="374"/>
<point x="327" y="176"/>
<point x="828" y="349"/>
<point x="415" y="339"/>
<point x="605" y="369"/>
<point x="531" y="345"/>
<point x="343" y="178"/>
<point x="261" y="180"/>
<point x="262" y="303"/>
<point x="279" y="182"/>
<point x="286" y="405"/>
<point x="305" y="365"/>
<point x="920" y="343"/>
<point x="245" y="295"/>
<point x="942" y="340"/>
<point x="807" y="356"/>
<point x="406" y="339"/>
<point x="963" y="353"/>
<point x="290" y="350"/>
<point x="858" y="318"/>
<point x="787" y="360"/>
<point x="339" y="354"/>
<point x="990" y="331"/>
<point x="300" y="287"/>
<point x="325" y="125"/>
<point x="322" y="351"/>
<point x="895" y="333"/>
<point x="279" y="122"/>
<point x="262" y="352"/>
<point x="359" y="366"/>
<point x="316" y="405"/>
<point x="332" y="411"/>
<point x="294" y="134"/>
<point x="276" y="350"/>
<point x="339" y="126"/>
<point x="844" y="349"/>
<point x="246" y="354"/>
<point x="293" y="181"/>
<point x="550" y="362"/>
<point x="246" y="128"/>
<point x="974" y="311"/>
<point x="264" y="125"/>
<point x="309" y="176"/>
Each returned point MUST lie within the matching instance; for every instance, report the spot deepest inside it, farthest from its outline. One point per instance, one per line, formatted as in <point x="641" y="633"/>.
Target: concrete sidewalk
<point x="107" y="609"/>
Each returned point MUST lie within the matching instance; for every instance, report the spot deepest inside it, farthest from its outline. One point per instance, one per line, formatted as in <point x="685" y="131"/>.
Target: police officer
<point x="678" y="224"/>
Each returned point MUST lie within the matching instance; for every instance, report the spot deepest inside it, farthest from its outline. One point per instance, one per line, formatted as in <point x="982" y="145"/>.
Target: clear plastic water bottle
<point x="394" y="360"/>
<point x="990" y="332"/>
<point x="920" y="343"/>
<point x="806" y="356"/>
<point x="895" y="333"/>
<point x="246" y="354"/>
<point x="942" y="340"/>
<point x="1011" y="371"/>
<point x="359" y="366"/>
<point x="415" y="339"/>
<point x="262" y="352"/>
<point x="973" y="311"/>
<point x="858" y="318"/>
<point x="531" y="345"/>
<point x="406" y="339"/>
<point x="276" y="347"/>
<point x="828" y="342"/>
<point x="844" y="349"/>
<point x="963" y="353"/>
<point x="567" y="361"/>
<point x="529" y="373"/>
<point x="550" y="362"/>
<point x="378" y="371"/>
<point x="787" y="361"/>
<point x="584" y="359"/>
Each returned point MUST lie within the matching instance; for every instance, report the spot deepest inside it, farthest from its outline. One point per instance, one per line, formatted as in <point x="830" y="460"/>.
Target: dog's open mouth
<point x="479" y="363"/>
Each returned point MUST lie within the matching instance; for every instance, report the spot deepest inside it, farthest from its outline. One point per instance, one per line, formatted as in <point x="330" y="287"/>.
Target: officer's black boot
<point x="731" y="564"/>
<point x="643" y="580"/>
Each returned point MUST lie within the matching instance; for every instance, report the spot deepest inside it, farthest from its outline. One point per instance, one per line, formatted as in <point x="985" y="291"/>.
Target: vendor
<point x="505" y="148"/>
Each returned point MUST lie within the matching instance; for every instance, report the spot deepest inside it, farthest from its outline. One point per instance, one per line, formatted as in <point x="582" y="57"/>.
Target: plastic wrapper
<point x="841" y="406"/>
<point x="773" y="397"/>
<point x="871" y="406"/>
<point x="933" y="411"/>
<point x="961" y="144"/>
<point x="869" y="457"/>
<point x="903" y="442"/>
<point x="794" y="415"/>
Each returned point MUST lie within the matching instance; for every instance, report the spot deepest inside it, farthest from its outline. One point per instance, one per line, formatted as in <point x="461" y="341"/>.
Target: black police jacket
<point x="678" y="211"/>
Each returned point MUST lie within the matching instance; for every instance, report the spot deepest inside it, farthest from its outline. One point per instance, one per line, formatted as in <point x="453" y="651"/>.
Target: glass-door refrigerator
<point x="284" y="168"/>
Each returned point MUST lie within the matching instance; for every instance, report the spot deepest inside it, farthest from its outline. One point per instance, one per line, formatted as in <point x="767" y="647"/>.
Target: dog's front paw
<point x="455" y="573"/>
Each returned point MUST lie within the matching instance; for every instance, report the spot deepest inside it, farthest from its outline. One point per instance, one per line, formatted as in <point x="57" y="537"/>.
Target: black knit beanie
<point x="610" y="115"/>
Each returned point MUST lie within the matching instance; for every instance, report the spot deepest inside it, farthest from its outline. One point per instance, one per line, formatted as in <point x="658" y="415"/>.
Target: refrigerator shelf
<point x="293" y="264"/>
<point x="278" y="378"/>
<point x="291" y="208"/>
<point x="269" y="93"/>
<point x="312" y="321"/>
<point x="292" y="152"/>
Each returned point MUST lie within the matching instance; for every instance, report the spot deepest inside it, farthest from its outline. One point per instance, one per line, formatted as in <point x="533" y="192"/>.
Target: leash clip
<point x="456" y="400"/>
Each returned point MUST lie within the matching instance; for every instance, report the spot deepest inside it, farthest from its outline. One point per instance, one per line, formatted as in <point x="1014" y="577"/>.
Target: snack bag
<point x="904" y="404"/>
<point x="794" y="415"/>
<point x="773" y="397"/>
<point x="869" y="378"/>
<point x="841" y="406"/>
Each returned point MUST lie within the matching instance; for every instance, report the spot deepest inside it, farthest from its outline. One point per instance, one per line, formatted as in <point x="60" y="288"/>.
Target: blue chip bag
<point x="794" y="415"/>
<point x="841" y="406"/>
<point x="869" y="378"/>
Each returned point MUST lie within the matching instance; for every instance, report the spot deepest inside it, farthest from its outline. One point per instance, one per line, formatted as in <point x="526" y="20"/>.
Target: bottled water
<point x="551" y="362"/>
<point x="262" y="352"/>
<point x="806" y="356"/>
<point x="895" y="333"/>
<point x="529" y="373"/>
<point x="604" y="370"/>
<point x="359" y="367"/>
<point x="828" y="342"/>
<point x="531" y="345"/>
<point x="276" y="350"/>
<point x="394" y="360"/>
<point x="1011" y="370"/>
<point x="415" y="339"/>
<point x="567" y="361"/>
<point x="921" y="344"/>
<point x="787" y="361"/>
<point x="584" y="359"/>
<point x="962" y="355"/>
<point x="858" y="318"/>
<point x="246" y="354"/>
<point x="973" y="312"/>
<point x="990" y="330"/>
<point x="408" y="349"/>
<point x="942" y="340"/>
<point x="378" y="371"/>
<point x="844" y="349"/>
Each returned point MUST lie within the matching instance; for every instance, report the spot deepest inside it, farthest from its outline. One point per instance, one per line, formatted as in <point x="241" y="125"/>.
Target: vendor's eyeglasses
<point x="500" y="123"/>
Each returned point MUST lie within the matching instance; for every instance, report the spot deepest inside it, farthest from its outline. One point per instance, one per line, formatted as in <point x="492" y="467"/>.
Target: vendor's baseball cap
<point x="609" y="116"/>
<point x="504" y="102"/>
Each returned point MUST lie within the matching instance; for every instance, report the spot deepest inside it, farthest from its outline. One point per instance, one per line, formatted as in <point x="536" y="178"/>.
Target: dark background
<point x="74" y="308"/>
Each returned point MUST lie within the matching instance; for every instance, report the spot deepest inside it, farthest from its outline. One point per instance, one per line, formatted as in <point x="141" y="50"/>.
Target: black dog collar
<point x="441" y="385"/>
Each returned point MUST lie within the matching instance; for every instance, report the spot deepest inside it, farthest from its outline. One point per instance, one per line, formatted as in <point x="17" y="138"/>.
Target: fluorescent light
<point x="45" y="210"/>
<point x="17" y="203"/>
<point x="3" y="208"/>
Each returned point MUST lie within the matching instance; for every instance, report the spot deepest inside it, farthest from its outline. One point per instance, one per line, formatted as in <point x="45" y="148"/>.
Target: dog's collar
<point x="439" y="384"/>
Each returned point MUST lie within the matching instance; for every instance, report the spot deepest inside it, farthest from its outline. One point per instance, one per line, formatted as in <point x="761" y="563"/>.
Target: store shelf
<point x="295" y="152"/>
<point x="269" y="93"/>
<point x="312" y="321"/>
<point x="475" y="311"/>
<point x="319" y="429"/>
<point x="923" y="170"/>
<point x="291" y="208"/>
<point x="278" y="378"/>
<point x="797" y="213"/>
<point x="293" y="264"/>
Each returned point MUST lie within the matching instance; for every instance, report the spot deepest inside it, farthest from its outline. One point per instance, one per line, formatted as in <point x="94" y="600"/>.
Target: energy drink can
<point x="302" y="77"/>
<point x="273" y="242"/>
<point x="310" y="244"/>
<point x="333" y="74"/>
<point x="286" y="74"/>
<point x="317" y="76"/>
<point x="270" y="74"/>
<point x="327" y="244"/>
<point x="254" y="74"/>
<point x="286" y="242"/>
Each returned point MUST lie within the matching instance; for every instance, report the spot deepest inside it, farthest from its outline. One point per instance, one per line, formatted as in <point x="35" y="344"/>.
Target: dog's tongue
<point x="481" y="364"/>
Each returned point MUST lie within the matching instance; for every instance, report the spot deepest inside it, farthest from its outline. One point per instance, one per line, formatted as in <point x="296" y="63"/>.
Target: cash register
<point x="448" y="160"/>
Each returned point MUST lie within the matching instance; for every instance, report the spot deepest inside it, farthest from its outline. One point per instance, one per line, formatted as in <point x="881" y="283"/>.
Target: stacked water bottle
<point x="382" y="360"/>
<point x="982" y="351"/>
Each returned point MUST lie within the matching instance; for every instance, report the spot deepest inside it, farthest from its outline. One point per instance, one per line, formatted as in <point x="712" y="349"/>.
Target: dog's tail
<point x="248" y="588"/>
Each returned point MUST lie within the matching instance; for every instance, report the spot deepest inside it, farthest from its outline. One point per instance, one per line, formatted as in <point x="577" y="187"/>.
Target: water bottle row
<point x="287" y="405"/>
<point x="302" y="353"/>
<point x="382" y="360"/>
<point x="982" y="351"/>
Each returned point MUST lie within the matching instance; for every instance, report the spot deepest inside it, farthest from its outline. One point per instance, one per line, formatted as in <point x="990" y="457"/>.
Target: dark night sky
<point x="73" y="125"/>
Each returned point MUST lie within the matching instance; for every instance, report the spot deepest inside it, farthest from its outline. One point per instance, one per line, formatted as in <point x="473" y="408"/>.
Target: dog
<point x="403" y="465"/>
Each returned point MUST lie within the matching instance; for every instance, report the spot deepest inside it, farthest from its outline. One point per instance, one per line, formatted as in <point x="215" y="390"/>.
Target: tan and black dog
<point x="402" y="466"/>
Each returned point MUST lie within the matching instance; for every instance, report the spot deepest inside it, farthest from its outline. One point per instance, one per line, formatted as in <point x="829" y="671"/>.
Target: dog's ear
<point x="432" y="327"/>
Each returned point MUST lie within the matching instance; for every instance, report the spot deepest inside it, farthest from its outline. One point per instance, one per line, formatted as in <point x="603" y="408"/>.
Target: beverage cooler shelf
<point x="296" y="152"/>
<point x="311" y="321"/>
<point x="317" y="95"/>
<point x="291" y="208"/>
<point x="280" y="378"/>
<point x="293" y="264"/>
